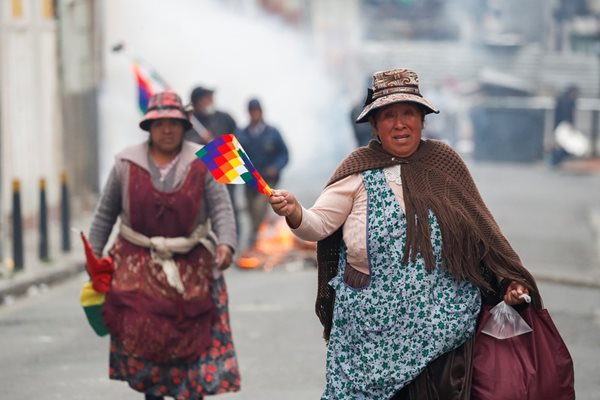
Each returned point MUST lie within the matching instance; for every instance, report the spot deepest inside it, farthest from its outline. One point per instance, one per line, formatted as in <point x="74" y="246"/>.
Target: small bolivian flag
<point x="228" y="163"/>
<point x="93" y="293"/>
<point x="92" y="303"/>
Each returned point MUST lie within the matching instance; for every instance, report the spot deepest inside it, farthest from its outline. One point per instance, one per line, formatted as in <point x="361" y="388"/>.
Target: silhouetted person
<point x="564" y="112"/>
<point x="207" y="122"/>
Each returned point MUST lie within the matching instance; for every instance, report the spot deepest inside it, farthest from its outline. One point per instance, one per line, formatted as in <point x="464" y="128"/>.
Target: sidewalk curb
<point x="20" y="288"/>
<point x="567" y="280"/>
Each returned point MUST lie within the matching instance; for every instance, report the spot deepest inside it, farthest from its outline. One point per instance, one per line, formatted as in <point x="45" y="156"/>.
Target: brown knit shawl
<point x="433" y="178"/>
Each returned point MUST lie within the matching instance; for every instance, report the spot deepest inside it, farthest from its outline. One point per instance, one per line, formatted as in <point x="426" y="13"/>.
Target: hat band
<point x="398" y="89"/>
<point x="162" y="108"/>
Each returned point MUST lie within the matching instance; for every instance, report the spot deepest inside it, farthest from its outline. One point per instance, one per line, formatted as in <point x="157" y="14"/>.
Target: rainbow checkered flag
<point x="228" y="163"/>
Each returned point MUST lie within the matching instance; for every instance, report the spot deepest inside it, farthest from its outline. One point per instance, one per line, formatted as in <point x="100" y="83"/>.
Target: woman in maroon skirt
<point x="167" y="307"/>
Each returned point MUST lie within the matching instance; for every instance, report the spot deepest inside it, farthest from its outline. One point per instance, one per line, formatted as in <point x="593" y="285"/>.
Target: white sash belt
<point x="162" y="248"/>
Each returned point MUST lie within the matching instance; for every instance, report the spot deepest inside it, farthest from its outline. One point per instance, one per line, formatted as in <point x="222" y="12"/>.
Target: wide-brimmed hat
<point x="394" y="86"/>
<point x="165" y="104"/>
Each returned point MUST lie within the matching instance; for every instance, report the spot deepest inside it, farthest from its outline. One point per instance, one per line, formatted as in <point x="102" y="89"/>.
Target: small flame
<point x="275" y="245"/>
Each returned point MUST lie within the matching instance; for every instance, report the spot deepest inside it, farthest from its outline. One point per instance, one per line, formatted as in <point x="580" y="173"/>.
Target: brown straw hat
<point x="165" y="104"/>
<point x="394" y="86"/>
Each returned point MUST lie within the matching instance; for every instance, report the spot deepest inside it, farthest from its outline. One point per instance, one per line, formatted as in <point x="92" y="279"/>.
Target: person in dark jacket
<point x="564" y="112"/>
<point x="207" y="122"/>
<point x="266" y="149"/>
<point x="566" y="102"/>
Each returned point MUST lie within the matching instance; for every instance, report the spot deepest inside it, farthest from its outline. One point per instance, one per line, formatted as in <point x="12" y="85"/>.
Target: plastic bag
<point x="571" y="140"/>
<point x="505" y="321"/>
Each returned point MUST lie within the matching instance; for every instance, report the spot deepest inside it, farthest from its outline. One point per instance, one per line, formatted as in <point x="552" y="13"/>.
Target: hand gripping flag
<point x="228" y="163"/>
<point x="99" y="270"/>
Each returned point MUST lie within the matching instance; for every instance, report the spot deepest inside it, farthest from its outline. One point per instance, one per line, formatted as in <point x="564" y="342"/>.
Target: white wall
<point x="30" y="119"/>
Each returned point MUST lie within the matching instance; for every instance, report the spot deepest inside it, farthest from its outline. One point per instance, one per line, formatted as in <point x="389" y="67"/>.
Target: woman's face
<point x="399" y="128"/>
<point x="166" y="134"/>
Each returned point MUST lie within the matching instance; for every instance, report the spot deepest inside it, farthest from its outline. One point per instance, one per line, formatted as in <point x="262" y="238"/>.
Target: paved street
<point x="48" y="351"/>
<point x="546" y="215"/>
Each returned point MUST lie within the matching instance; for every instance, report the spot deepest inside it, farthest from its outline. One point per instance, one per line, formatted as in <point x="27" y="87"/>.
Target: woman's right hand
<point x="513" y="293"/>
<point x="285" y="204"/>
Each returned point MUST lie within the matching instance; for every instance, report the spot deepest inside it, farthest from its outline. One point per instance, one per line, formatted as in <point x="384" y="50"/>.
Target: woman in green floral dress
<point x="407" y="251"/>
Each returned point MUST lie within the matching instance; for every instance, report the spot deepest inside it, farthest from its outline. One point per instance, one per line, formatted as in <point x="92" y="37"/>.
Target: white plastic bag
<point x="506" y="321"/>
<point x="573" y="141"/>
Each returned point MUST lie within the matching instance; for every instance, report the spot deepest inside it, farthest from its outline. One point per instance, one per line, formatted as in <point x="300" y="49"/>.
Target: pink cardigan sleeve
<point x="330" y="211"/>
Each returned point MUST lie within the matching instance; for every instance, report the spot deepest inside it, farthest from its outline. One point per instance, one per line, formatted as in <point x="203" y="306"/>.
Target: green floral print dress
<point x="385" y="334"/>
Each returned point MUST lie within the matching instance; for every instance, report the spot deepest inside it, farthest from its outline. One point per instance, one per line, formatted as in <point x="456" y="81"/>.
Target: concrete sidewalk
<point x="38" y="275"/>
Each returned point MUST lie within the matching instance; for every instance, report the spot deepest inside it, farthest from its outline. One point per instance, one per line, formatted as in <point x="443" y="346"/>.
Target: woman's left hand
<point x="223" y="256"/>
<point x="513" y="291"/>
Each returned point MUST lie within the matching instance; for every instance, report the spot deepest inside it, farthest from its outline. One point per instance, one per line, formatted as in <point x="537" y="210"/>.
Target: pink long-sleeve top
<point x="345" y="203"/>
